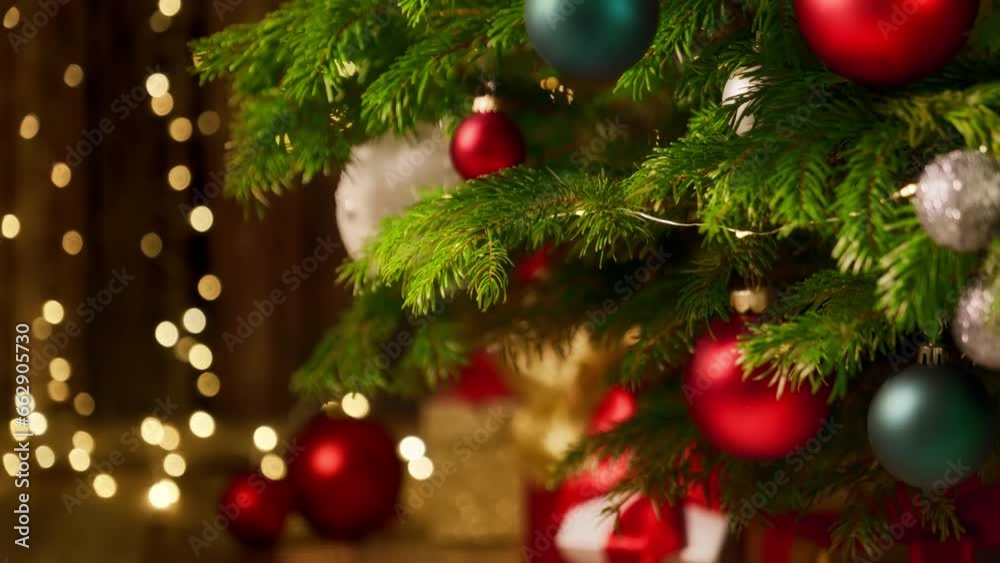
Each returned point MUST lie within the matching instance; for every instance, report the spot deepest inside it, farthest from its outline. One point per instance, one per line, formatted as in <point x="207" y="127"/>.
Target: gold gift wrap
<point x="475" y="493"/>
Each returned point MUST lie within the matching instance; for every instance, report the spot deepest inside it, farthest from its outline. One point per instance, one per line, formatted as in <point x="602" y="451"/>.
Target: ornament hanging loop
<point x="487" y="103"/>
<point x="932" y="355"/>
<point x="751" y="300"/>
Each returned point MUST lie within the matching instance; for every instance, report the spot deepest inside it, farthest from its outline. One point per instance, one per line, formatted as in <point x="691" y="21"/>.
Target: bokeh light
<point x="355" y="405"/>
<point x="105" y="485"/>
<point x="265" y="438"/>
<point x="209" y="287"/>
<point x="166" y="334"/>
<point x="202" y="424"/>
<point x="411" y="448"/>
<point x="52" y="312"/>
<point x="420" y="468"/>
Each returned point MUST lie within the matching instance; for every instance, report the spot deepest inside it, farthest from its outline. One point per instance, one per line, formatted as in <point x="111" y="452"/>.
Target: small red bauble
<point x="255" y="508"/>
<point x="479" y="382"/>
<point x="617" y="406"/>
<point x="743" y="417"/>
<point x="534" y="266"/>
<point x="886" y="42"/>
<point x="347" y="478"/>
<point x="486" y="142"/>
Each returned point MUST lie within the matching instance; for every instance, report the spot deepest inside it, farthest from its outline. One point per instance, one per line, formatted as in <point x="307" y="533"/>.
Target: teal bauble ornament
<point x="931" y="426"/>
<point x="591" y="39"/>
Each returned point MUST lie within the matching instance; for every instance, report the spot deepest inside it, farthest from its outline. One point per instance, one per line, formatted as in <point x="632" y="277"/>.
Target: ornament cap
<point x="932" y="355"/>
<point x="487" y="103"/>
<point x="751" y="299"/>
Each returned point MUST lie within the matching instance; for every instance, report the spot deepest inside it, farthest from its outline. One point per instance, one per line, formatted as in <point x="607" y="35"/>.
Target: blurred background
<point x="108" y="142"/>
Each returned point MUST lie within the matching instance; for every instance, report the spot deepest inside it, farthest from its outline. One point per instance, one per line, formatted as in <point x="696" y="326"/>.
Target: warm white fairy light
<point x="174" y="465"/>
<point x="37" y="423"/>
<point x="151" y="245"/>
<point x="29" y="126"/>
<point x="58" y="391"/>
<point x="84" y="405"/>
<point x="61" y="175"/>
<point x="169" y="7"/>
<point x="105" y="485"/>
<point x="73" y="75"/>
<point x="265" y="438"/>
<point x="171" y="438"/>
<point x="209" y="287"/>
<point x="202" y="424"/>
<point x="421" y="468"/>
<point x="60" y="369"/>
<point x="208" y="384"/>
<point x="162" y="105"/>
<point x="273" y="467"/>
<point x="194" y="320"/>
<point x="10" y="226"/>
<point x="163" y="494"/>
<point x="151" y="431"/>
<point x="53" y="312"/>
<point x="84" y="441"/>
<point x="45" y="457"/>
<point x="201" y="219"/>
<point x="79" y="460"/>
<point x="157" y="84"/>
<point x="411" y="448"/>
<point x="179" y="177"/>
<point x="180" y="129"/>
<point x="200" y="357"/>
<point x="166" y="334"/>
<point x="355" y="405"/>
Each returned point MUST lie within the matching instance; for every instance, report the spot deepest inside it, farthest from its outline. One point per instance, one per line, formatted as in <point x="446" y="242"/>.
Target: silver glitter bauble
<point x="975" y="328"/>
<point x="739" y="84"/>
<point x="385" y="176"/>
<point x="958" y="200"/>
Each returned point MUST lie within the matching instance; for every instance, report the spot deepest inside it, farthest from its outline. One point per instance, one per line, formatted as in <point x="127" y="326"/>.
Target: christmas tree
<point x="783" y="213"/>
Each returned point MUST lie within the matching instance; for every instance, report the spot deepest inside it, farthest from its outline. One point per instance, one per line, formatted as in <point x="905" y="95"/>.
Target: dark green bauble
<point x="931" y="426"/>
<point x="592" y="39"/>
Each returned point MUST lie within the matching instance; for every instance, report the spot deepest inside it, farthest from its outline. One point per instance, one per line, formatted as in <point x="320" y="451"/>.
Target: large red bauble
<point x="347" y="478"/>
<point x="485" y="143"/>
<point x="743" y="417"/>
<point x="256" y="508"/>
<point x="886" y="42"/>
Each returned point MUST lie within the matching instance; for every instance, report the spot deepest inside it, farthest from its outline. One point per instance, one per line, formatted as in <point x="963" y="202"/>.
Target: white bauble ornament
<point x="385" y="176"/>
<point x="739" y="84"/>
<point x="958" y="200"/>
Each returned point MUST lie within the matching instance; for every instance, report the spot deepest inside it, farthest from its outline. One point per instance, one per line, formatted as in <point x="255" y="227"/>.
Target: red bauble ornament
<point x="617" y="406"/>
<point x="487" y="141"/>
<point x="534" y="266"/>
<point x="886" y="42"/>
<point x="256" y="508"/>
<point x="743" y="417"/>
<point x="347" y="478"/>
<point x="479" y="382"/>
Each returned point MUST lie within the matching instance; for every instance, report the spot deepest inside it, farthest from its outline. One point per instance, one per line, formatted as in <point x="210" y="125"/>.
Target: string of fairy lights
<point x="164" y="492"/>
<point x="181" y="337"/>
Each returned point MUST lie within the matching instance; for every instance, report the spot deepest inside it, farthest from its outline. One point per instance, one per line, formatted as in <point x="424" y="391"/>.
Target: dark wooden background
<point x="120" y="192"/>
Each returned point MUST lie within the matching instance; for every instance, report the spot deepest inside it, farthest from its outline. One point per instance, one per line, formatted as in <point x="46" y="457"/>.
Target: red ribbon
<point x="645" y="533"/>
<point x="644" y="537"/>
